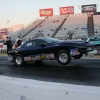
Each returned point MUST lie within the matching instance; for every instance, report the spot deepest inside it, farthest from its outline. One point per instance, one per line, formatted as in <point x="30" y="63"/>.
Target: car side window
<point x="38" y="42"/>
<point x="30" y="44"/>
<point x="33" y="43"/>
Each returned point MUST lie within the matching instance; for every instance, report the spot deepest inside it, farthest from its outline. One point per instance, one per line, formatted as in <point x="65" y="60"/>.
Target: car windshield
<point x="52" y="40"/>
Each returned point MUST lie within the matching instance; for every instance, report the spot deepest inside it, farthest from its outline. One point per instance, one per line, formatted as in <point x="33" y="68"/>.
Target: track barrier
<point x="26" y="89"/>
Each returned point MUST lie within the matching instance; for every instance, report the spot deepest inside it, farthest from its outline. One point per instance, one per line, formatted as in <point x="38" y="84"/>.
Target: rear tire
<point x="19" y="61"/>
<point x="63" y="57"/>
<point x="38" y="61"/>
<point x="78" y="56"/>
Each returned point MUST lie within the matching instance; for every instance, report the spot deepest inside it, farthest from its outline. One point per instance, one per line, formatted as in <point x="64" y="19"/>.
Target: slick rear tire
<point x="63" y="57"/>
<point x="38" y="61"/>
<point x="78" y="56"/>
<point x="19" y="61"/>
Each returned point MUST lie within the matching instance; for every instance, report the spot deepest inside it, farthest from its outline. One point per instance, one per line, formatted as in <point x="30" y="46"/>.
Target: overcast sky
<point x="25" y="11"/>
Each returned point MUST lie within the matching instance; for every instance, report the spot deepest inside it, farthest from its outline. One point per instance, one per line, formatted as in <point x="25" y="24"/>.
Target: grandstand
<point x="74" y="25"/>
<point x="47" y="27"/>
<point x="59" y="27"/>
<point x="24" y="31"/>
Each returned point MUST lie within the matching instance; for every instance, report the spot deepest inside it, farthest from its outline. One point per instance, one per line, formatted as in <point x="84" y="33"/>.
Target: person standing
<point x="48" y="35"/>
<point x="8" y="43"/>
<point x="30" y="38"/>
<point x="18" y="41"/>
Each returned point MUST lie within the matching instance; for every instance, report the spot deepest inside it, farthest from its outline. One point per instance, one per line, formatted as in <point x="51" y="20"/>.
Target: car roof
<point x="43" y="38"/>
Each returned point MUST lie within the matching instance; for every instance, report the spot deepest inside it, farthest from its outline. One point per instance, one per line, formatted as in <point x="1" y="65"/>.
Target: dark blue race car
<point x="49" y="49"/>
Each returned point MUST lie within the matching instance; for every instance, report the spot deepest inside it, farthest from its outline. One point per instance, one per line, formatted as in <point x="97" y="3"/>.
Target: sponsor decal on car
<point x="89" y="48"/>
<point x="10" y="58"/>
<point x="43" y="56"/>
<point x="98" y="51"/>
<point x="37" y="57"/>
<point x="47" y="56"/>
<point x="52" y="56"/>
<point x="74" y="52"/>
<point x="16" y="51"/>
<point x="27" y="58"/>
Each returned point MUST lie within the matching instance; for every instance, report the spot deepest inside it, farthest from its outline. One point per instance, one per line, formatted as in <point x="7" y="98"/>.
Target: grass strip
<point x="3" y="54"/>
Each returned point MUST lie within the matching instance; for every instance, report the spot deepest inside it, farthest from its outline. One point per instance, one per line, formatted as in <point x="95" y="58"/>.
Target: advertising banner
<point x="46" y="12"/>
<point x="66" y="10"/>
<point x="88" y="8"/>
<point x="3" y="33"/>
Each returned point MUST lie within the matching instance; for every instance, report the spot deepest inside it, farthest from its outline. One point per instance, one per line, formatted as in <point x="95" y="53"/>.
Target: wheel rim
<point x="63" y="57"/>
<point x="18" y="60"/>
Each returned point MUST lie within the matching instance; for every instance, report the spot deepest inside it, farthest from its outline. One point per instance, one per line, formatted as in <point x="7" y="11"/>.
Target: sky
<point x="26" y="11"/>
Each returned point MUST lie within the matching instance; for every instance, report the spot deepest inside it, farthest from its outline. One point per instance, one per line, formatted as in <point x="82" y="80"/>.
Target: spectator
<point x="42" y="35"/>
<point x="10" y="38"/>
<point x="76" y="28"/>
<point x="9" y="44"/>
<point x="18" y="41"/>
<point x="48" y="35"/>
<point x="30" y="38"/>
<point x="20" y="35"/>
<point x="64" y="28"/>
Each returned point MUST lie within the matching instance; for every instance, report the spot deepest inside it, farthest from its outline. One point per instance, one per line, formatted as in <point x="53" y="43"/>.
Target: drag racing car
<point x="49" y="49"/>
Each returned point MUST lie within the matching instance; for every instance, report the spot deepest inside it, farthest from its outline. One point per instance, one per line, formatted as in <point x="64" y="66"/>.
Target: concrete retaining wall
<point x="26" y="89"/>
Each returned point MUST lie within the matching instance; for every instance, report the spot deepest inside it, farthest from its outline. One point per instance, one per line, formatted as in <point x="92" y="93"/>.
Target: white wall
<point x="26" y="89"/>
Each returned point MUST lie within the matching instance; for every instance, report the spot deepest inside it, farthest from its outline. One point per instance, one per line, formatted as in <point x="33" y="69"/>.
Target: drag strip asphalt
<point x="78" y="72"/>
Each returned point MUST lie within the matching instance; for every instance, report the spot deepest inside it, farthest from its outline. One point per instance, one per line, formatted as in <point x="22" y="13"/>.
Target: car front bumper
<point x="10" y="58"/>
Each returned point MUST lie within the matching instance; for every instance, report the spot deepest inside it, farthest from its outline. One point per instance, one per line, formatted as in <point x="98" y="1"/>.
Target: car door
<point x="24" y="48"/>
<point x="47" y="48"/>
<point x="34" y="47"/>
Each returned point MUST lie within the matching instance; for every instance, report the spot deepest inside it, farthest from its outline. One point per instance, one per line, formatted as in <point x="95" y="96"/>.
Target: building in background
<point x="8" y="31"/>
